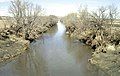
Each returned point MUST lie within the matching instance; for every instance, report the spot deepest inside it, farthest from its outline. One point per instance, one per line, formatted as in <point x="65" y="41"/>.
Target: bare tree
<point x="100" y="16"/>
<point x="83" y="16"/>
<point x="113" y="13"/>
<point x="24" y="14"/>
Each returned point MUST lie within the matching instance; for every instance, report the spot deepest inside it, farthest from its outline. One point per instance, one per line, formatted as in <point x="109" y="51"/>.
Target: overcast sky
<point x="62" y="7"/>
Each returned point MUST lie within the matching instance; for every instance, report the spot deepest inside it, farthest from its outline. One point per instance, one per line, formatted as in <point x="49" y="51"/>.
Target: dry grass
<point x="4" y="24"/>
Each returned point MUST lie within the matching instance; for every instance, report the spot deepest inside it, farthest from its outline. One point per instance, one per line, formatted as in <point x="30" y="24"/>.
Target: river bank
<point x="106" y="55"/>
<point x="12" y="48"/>
<point x="103" y="39"/>
<point x="54" y="54"/>
<point x="13" y="44"/>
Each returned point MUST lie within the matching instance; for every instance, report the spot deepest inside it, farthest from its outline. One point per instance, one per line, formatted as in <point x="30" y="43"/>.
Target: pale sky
<point x="62" y="7"/>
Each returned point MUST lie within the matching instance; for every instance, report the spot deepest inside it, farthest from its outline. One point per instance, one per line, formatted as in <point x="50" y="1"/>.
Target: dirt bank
<point x="105" y="42"/>
<point x="12" y="40"/>
<point x="12" y="48"/>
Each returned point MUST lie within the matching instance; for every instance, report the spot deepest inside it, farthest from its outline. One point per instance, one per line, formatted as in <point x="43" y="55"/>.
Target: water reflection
<point x="53" y="55"/>
<point x="61" y="30"/>
<point x="29" y="64"/>
<point x="63" y="57"/>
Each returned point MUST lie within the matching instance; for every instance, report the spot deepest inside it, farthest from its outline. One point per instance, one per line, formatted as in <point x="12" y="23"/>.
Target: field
<point x="3" y="24"/>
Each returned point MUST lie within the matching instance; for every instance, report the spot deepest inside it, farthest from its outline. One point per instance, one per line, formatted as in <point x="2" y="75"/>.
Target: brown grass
<point x="4" y="23"/>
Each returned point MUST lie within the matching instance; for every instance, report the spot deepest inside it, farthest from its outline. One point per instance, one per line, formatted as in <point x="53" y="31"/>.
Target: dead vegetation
<point x="98" y="29"/>
<point x="27" y="20"/>
<point x="25" y="24"/>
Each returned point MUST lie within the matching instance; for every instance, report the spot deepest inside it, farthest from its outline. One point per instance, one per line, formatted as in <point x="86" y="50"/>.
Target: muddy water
<point x="54" y="54"/>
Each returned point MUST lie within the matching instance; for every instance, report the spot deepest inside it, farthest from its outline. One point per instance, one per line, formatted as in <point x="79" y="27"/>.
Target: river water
<point x="54" y="54"/>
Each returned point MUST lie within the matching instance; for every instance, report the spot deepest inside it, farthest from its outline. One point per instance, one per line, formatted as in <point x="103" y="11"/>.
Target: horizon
<point x="61" y="8"/>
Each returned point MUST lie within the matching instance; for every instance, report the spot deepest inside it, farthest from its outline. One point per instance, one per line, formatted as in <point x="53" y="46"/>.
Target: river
<point x="54" y="54"/>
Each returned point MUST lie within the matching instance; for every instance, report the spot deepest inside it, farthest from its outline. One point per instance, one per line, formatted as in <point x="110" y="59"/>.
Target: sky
<point x="62" y="7"/>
